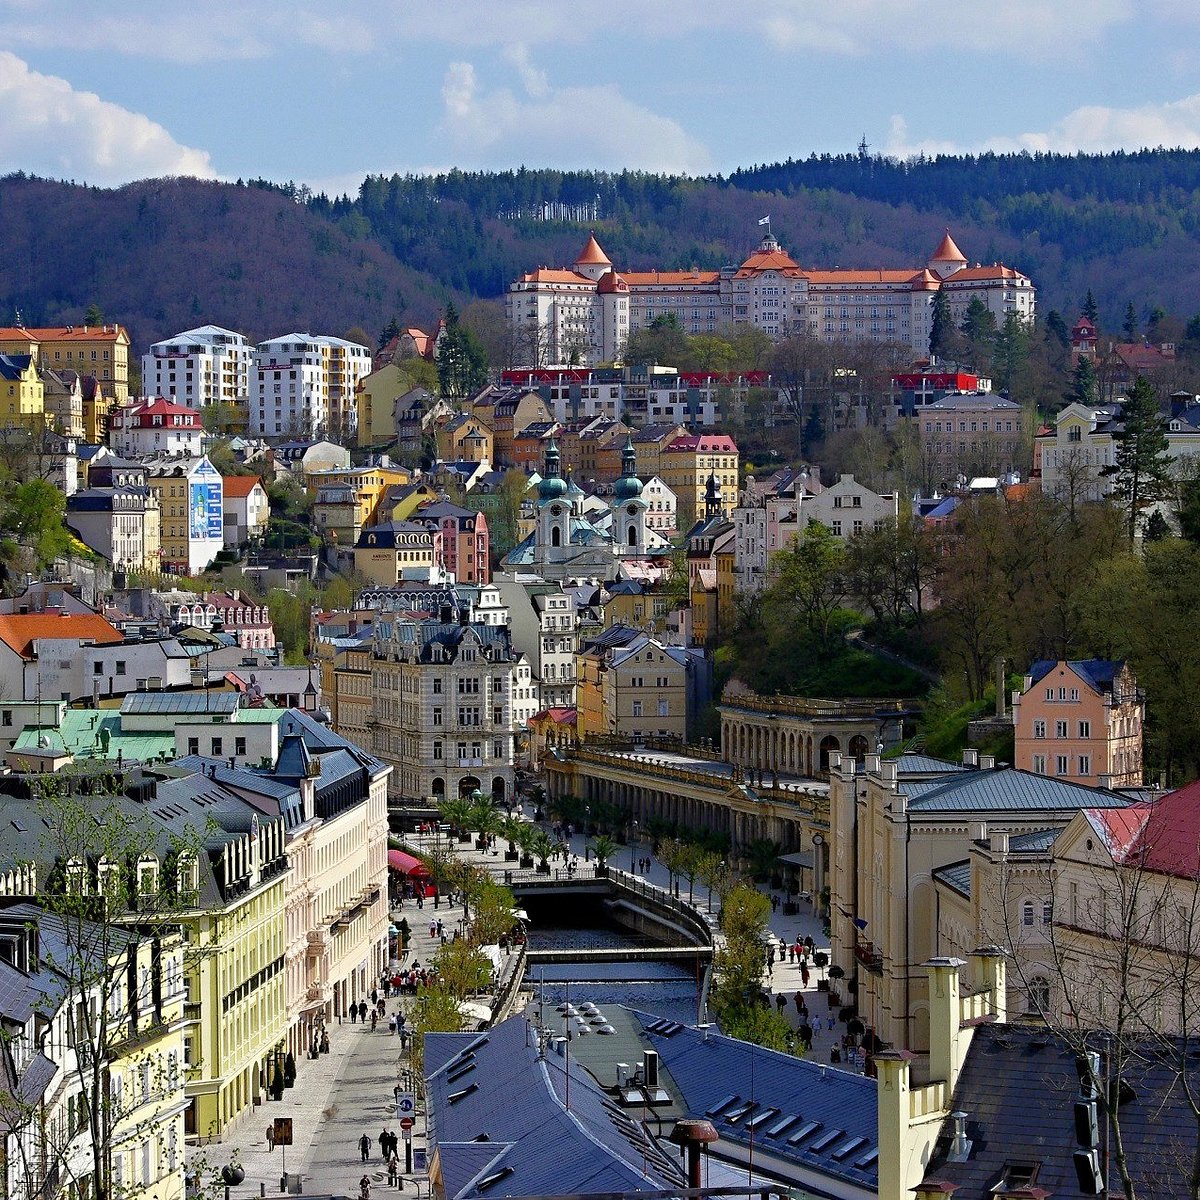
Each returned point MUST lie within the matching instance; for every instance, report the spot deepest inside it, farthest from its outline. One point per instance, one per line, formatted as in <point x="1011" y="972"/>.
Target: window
<point x="1027" y="913"/>
<point x="1085" y="764"/>
<point x="1075" y="694"/>
<point x="6" y="716"/>
<point x="1039" y="729"/>
<point x="1047" y="912"/>
<point x="239" y="746"/>
<point x="664" y="708"/>
<point x="1062" y="765"/>
<point x="637" y="708"/>
<point x="437" y="716"/>
<point x="193" y="745"/>
<point x="1085" y="729"/>
<point x="437" y="687"/>
<point x="1060" y="729"/>
<point x="1039" y="764"/>
<point x="217" y="747"/>
<point x="1039" y="994"/>
<point x="437" y="750"/>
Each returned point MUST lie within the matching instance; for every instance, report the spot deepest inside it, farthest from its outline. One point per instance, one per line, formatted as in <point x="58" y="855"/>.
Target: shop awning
<point x="801" y="858"/>
<point x="406" y="864"/>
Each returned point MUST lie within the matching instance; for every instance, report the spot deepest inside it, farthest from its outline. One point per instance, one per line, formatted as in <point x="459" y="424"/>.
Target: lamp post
<point x="633" y="841"/>
<point x="818" y="869"/>
<point x="720" y="876"/>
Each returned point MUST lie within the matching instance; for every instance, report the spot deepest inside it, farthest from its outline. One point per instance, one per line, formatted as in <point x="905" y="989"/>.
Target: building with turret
<point x="583" y="314"/>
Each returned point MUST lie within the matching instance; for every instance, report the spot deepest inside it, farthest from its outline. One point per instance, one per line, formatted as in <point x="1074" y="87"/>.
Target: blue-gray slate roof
<point x="1005" y="789"/>
<point x="494" y="1092"/>
<point x="1099" y="672"/>
<point x="1018" y="1087"/>
<point x="813" y="1118"/>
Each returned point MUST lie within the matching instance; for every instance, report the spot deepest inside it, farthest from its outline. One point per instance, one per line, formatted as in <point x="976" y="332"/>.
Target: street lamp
<point x="818" y="841"/>
<point x="633" y="838"/>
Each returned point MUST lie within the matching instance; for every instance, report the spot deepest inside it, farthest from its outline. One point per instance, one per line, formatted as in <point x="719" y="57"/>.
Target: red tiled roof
<point x="997" y="271"/>
<point x="670" y="278"/>
<point x="1160" y="835"/>
<point x="18" y="631"/>
<point x="553" y="275"/>
<point x="238" y="487"/>
<point x="610" y="282"/>
<point x="560" y="716"/>
<point x="592" y="255"/>
<point x="947" y="251"/>
<point x="769" y="260"/>
<point x="65" y="333"/>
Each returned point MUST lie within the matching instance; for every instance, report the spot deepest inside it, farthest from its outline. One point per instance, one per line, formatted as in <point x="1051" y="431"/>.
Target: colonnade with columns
<point x="793" y="744"/>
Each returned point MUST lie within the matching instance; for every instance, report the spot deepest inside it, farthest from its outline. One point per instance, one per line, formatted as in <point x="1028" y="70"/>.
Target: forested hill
<point x="162" y="255"/>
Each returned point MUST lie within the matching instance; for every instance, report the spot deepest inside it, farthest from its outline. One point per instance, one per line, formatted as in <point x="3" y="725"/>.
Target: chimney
<point x="692" y="1133"/>
<point x="987" y="762"/>
<point x="650" y="1068"/>
<point x="998" y="842"/>
<point x="945" y="1020"/>
<point x="899" y="1169"/>
<point x="889" y="771"/>
<point x="871" y="764"/>
<point x="981" y="831"/>
<point x="989" y="971"/>
<point x="970" y="758"/>
<point x="960" y="1145"/>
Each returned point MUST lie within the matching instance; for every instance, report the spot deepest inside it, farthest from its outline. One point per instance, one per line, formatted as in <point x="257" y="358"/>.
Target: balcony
<point x="192" y="1012"/>
<point x="870" y="956"/>
<point x="314" y="991"/>
<point x="317" y="940"/>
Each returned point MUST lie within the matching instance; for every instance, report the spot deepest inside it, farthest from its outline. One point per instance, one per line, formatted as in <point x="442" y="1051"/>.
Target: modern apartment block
<point x="198" y="367"/>
<point x="305" y="384"/>
<point x="583" y="314"/>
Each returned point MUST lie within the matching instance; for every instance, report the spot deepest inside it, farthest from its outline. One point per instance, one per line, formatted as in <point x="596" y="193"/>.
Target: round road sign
<point x="406" y="1122"/>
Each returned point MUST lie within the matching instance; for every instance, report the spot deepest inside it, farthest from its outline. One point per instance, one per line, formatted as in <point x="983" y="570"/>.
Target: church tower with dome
<point x="628" y="507"/>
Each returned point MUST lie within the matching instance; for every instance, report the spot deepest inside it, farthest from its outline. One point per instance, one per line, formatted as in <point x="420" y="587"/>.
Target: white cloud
<point x="577" y="126"/>
<point x="49" y="128"/>
<point x="1092" y="128"/>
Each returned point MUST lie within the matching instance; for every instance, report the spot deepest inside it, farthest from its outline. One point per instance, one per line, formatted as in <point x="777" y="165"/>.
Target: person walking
<point x="374" y="1019"/>
<point x="364" y="1188"/>
<point x="393" y="1170"/>
<point x="384" y="1144"/>
<point x="271" y="1137"/>
<point x="364" y="1148"/>
<point x="780" y="1003"/>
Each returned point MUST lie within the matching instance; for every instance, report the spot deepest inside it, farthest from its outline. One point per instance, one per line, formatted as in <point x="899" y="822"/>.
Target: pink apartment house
<point x="1081" y="721"/>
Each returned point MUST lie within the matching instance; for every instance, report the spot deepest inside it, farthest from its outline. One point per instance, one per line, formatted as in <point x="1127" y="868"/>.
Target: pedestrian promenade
<point x="349" y="1091"/>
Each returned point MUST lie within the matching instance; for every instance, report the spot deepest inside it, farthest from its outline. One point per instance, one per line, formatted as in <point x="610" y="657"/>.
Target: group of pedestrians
<point x="389" y="1150"/>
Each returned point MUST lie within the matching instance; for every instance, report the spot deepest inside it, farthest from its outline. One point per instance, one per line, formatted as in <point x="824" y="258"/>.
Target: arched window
<point x="633" y="535"/>
<point x="1039" y="994"/>
<point x="1027" y="913"/>
<point x="555" y="536"/>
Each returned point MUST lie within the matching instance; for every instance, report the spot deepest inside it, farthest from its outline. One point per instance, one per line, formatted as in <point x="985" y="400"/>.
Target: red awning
<point x="406" y="864"/>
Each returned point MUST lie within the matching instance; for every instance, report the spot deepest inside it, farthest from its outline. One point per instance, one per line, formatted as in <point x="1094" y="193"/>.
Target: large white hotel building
<point x="583" y="314"/>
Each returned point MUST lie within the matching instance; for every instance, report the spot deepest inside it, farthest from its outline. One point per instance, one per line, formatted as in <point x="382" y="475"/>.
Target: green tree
<point x="809" y="581"/>
<point x="462" y="365"/>
<point x="94" y="315"/>
<point x="979" y="328"/>
<point x="1129" y="326"/>
<point x="390" y="330"/>
<point x="1090" y="308"/>
<point x="1056" y="327"/>
<point x="1010" y="360"/>
<point x="1141" y="471"/>
<point x="34" y="516"/>
<point x="1084" y="385"/>
<point x="942" y="340"/>
<point x="663" y="341"/>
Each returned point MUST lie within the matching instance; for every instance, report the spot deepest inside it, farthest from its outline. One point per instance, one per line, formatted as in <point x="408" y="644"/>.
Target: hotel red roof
<point x="592" y="255"/>
<point x="610" y="282"/>
<point x="947" y="251"/>
<point x="769" y="260"/>
<point x="141" y="413"/>
<point x="19" y="631"/>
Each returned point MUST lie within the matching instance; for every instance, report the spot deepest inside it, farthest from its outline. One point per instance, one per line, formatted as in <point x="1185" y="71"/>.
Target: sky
<point x="326" y="93"/>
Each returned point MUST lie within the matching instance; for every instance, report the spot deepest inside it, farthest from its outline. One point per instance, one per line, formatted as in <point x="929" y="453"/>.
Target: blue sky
<point x="325" y="93"/>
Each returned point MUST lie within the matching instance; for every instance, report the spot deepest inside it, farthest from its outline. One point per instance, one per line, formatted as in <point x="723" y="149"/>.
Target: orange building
<point x="99" y="350"/>
<point x="1081" y="721"/>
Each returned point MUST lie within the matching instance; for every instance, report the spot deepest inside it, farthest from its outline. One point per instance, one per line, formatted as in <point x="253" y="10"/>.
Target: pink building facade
<point x="1081" y="721"/>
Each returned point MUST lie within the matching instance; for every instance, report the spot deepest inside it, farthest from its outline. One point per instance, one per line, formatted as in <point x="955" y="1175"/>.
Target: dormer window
<point x="147" y="876"/>
<point x="1017" y="1178"/>
<point x="76" y="877"/>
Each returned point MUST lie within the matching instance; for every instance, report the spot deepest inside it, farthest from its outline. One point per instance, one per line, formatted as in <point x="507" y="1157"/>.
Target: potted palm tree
<point x="604" y="848"/>
<point x="525" y="839"/>
<point x="540" y="846"/>
<point x="510" y="830"/>
<point x="485" y="821"/>
<point x="457" y="814"/>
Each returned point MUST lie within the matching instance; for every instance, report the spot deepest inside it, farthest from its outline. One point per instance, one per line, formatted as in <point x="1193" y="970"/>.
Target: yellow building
<point x="22" y="399"/>
<point x="399" y="503"/>
<point x="639" y="605"/>
<point x="686" y="467"/>
<point x="376" y="397"/>
<point x="629" y="684"/>
<point x="347" y="497"/>
<point x="464" y="438"/>
<point x="383" y="552"/>
<point x="98" y="350"/>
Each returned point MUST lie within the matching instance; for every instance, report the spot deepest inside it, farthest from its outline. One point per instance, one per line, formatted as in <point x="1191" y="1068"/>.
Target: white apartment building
<point x="441" y="695"/>
<point x="660" y="507"/>
<point x="583" y="314"/>
<point x="208" y="365"/>
<point x="545" y="627"/>
<point x="304" y="385"/>
<point x="848" y="508"/>
<point x="153" y="425"/>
